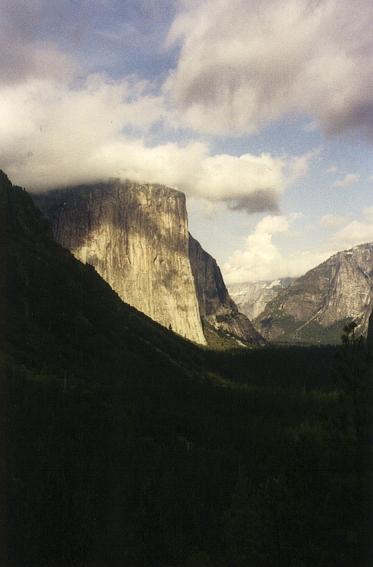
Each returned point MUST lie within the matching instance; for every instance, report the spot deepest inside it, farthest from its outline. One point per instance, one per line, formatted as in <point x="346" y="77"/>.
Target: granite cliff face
<point x="218" y="311"/>
<point x="316" y="306"/>
<point x="252" y="297"/>
<point x="136" y="237"/>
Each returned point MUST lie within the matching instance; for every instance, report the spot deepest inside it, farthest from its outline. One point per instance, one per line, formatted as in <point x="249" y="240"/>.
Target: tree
<point x="353" y="378"/>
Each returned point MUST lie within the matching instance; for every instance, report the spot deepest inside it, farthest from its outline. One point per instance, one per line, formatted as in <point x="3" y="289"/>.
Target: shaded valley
<point x="126" y="444"/>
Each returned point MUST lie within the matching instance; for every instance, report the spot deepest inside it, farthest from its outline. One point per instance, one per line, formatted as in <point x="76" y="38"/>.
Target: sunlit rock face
<point x="136" y="237"/>
<point x="316" y="306"/>
<point x="251" y="298"/>
<point x="218" y="311"/>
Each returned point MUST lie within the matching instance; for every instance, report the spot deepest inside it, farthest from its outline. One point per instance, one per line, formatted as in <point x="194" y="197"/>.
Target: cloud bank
<point x="246" y="63"/>
<point x="52" y="135"/>
<point x="240" y="65"/>
<point x="262" y="259"/>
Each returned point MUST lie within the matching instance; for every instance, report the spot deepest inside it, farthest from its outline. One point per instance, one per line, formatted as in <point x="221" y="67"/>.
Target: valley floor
<point x="253" y="458"/>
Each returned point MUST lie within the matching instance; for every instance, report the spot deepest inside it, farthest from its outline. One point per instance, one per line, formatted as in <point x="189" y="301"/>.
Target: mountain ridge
<point x="252" y="297"/>
<point x="317" y="305"/>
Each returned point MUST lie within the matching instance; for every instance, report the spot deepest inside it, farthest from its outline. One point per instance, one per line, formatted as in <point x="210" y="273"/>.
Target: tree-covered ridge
<point x="63" y="306"/>
<point x="125" y="445"/>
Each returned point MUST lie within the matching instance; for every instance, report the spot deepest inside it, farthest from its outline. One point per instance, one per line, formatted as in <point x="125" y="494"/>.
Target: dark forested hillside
<point x="124" y="445"/>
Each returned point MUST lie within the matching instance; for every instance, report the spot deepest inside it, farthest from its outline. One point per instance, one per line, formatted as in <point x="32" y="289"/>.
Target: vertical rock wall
<point x="218" y="311"/>
<point x="136" y="237"/>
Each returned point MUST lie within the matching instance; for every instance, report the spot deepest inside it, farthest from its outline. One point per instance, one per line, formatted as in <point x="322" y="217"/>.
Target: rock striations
<point x="252" y="297"/>
<point x="316" y="306"/>
<point x="61" y="321"/>
<point x="218" y="311"/>
<point x="136" y="237"/>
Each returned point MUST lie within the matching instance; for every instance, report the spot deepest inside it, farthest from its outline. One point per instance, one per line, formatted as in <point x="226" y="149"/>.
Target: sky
<point x="261" y="111"/>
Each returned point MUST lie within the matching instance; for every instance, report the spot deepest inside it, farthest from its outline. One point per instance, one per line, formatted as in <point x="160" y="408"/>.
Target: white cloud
<point x="333" y="221"/>
<point x="247" y="182"/>
<point x="352" y="231"/>
<point x="262" y="259"/>
<point x="54" y="135"/>
<point x="348" y="179"/>
<point x="58" y="127"/>
<point x="355" y="232"/>
<point x="245" y="63"/>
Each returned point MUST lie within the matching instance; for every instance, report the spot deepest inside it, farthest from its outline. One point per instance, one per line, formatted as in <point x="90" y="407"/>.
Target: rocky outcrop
<point x="218" y="311"/>
<point x="251" y="298"/>
<point x="136" y="237"/>
<point x="316" y="306"/>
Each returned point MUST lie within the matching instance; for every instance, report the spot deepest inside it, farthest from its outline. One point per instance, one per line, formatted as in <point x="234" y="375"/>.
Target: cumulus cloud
<point x="52" y="134"/>
<point x="248" y="182"/>
<point x="59" y="127"/>
<point x="357" y="231"/>
<point x="348" y="179"/>
<point x="262" y="259"/>
<point x="245" y="63"/>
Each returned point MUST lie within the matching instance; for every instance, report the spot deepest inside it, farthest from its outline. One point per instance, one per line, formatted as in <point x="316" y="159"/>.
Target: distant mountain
<point x="316" y="306"/>
<point x="136" y="237"/>
<point x="252" y="297"/>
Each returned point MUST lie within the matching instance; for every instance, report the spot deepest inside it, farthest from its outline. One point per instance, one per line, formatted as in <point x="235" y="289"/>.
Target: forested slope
<point x="123" y="444"/>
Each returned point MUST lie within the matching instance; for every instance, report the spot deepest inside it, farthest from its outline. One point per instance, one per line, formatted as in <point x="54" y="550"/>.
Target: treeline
<point x="172" y="471"/>
<point x="123" y="445"/>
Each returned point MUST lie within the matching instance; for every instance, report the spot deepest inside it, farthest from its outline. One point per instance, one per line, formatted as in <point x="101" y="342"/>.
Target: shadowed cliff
<point x="219" y="313"/>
